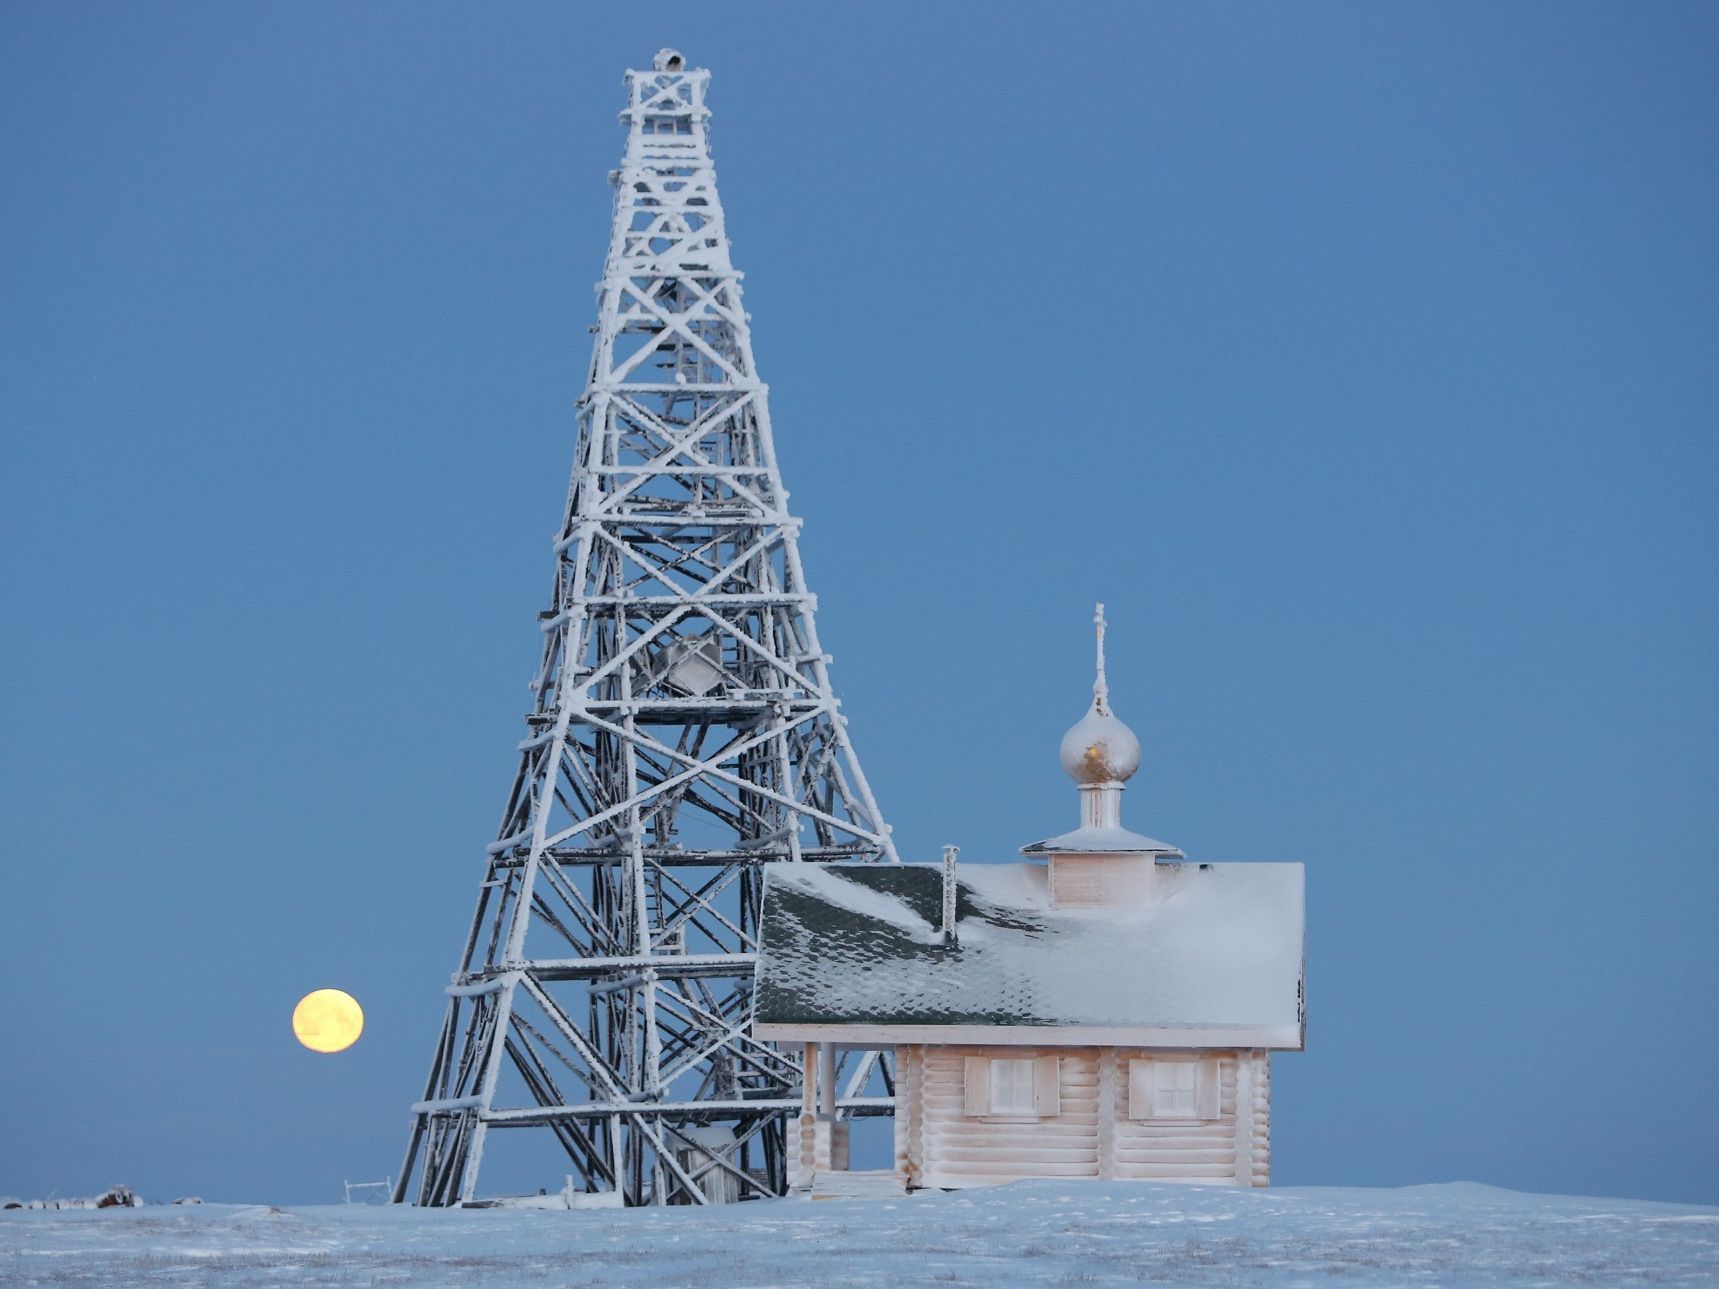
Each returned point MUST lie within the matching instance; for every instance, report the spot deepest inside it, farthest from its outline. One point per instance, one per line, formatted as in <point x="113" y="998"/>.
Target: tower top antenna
<point x="669" y="60"/>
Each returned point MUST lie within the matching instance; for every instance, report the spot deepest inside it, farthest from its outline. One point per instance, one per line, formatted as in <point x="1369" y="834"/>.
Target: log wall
<point x="1160" y="1152"/>
<point x="937" y="1144"/>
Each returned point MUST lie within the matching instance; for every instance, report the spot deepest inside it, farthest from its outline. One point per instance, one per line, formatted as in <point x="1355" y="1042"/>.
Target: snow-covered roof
<point x="1214" y="958"/>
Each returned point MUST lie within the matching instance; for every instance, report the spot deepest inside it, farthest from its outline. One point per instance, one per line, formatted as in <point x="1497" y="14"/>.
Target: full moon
<point x="328" y="1020"/>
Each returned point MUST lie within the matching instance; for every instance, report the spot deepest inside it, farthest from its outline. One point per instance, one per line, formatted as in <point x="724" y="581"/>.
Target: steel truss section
<point x="684" y="733"/>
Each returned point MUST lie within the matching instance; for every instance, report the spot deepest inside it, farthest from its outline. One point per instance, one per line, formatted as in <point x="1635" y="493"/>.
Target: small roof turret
<point x="1100" y="753"/>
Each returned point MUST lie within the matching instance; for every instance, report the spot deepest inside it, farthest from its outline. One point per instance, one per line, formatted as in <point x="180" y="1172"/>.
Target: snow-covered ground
<point x="1034" y="1233"/>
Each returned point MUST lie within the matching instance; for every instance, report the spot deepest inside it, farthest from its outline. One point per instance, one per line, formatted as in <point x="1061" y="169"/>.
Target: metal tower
<point x="684" y="733"/>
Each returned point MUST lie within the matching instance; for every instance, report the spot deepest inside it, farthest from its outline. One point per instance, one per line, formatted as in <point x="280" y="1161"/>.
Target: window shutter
<point x="978" y="1087"/>
<point x="1207" y="1090"/>
<point x="1047" y="1095"/>
<point x="1139" y="1089"/>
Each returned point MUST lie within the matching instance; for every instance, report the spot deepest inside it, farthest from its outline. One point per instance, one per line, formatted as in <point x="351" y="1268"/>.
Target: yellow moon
<point x="328" y="1020"/>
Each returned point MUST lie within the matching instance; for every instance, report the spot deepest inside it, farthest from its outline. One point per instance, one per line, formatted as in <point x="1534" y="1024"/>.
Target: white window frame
<point x="1174" y="1089"/>
<point x="1013" y="1088"/>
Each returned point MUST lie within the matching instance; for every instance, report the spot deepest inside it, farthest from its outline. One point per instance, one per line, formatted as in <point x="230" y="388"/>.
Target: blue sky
<point x="1363" y="358"/>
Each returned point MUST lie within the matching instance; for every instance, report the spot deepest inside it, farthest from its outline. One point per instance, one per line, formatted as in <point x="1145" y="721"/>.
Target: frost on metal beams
<point x="684" y="733"/>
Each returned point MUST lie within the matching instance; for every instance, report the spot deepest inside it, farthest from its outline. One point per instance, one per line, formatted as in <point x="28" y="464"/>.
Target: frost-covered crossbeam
<point x="684" y="734"/>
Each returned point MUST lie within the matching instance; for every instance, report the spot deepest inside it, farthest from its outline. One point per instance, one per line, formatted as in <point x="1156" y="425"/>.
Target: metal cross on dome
<point x="1100" y="686"/>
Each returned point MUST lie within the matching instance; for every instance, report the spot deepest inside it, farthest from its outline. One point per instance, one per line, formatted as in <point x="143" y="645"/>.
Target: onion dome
<point x="1100" y="749"/>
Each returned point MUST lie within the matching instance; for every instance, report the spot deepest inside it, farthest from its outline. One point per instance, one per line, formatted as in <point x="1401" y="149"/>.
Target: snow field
<point x="1029" y="1233"/>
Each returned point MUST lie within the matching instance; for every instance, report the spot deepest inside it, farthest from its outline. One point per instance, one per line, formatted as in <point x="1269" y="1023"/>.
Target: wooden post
<point x="820" y="1117"/>
<point x="1262" y="1118"/>
<point x="803" y="1139"/>
<point x="827" y="1082"/>
<point x="829" y="1144"/>
<point x="909" y="1158"/>
<point x="1244" y="1119"/>
<point x="1107" y="1064"/>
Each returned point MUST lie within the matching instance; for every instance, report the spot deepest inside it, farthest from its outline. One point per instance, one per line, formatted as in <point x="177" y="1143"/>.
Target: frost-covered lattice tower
<point x="684" y="734"/>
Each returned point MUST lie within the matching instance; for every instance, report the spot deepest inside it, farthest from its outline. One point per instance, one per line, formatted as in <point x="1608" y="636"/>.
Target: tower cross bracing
<point x="683" y="733"/>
